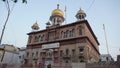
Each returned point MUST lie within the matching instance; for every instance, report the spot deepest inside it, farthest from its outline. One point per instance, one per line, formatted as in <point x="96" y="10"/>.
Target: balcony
<point x="35" y="58"/>
<point x="49" y="57"/>
<point x="43" y="54"/>
<point x="66" y="56"/>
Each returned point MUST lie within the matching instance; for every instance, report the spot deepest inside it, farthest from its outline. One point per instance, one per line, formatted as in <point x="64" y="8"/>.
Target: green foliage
<point x="24" y="1"/>
<point x="15" y="1"/>
<point x="3" y="0"/>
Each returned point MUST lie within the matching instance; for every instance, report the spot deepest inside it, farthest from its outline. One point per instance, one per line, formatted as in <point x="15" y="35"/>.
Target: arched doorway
<point x="49" y="66"/>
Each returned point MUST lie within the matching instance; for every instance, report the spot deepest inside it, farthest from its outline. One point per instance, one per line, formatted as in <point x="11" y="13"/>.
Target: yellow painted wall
<point x="10" y="48"/>
<point x="1" y="54"/>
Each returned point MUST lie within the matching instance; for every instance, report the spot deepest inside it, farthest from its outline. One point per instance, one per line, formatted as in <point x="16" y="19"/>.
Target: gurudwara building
<point x="70" y="43"/>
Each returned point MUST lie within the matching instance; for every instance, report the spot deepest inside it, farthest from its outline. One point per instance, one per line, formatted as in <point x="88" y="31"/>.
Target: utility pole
<point x="106" y="43"/>
<point x="9" y="10"/>
<point x="8" y="15"/>
<point x="4" y="28"/>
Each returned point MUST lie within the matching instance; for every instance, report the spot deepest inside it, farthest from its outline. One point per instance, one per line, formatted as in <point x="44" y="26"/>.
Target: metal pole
<point x="106" y="43"/>
<point x="65" y="14"/>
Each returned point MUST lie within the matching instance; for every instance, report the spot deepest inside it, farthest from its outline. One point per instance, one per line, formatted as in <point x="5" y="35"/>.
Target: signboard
<point x="52" y="45"/>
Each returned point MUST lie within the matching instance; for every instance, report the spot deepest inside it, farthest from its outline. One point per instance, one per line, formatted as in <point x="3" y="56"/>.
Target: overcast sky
<point x="98" y="12"/>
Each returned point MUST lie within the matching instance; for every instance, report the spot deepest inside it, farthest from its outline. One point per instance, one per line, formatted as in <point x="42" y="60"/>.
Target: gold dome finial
<point x="80" y="15"/>
<point x="35" y="26"/>
<point x="57" y="12"/>
<point x="57" y="16"/>
<point x="81" y="12"/>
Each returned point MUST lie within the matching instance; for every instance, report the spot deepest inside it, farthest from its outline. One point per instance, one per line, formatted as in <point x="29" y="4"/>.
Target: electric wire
<point x="90" y="5"/>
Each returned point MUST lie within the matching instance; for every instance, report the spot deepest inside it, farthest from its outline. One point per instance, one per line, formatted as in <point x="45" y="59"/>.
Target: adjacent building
<point x="70" y="43"/>
<point x="9" y="54"/>
<point x="118" y="58"/>
<point x="106" y="58"/>
<point x="22" y="52"/>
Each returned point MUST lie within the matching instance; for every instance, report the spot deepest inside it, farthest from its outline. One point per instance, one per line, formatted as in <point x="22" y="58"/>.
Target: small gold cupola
<point x="80" y="15"/>
<point x="57" y="16"/>
<point x="35" y="26"/>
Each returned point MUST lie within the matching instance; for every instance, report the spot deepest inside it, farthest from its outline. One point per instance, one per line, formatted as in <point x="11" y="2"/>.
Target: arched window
<point x="40" y="53"/>
<point x="39" y="38"/>
<point x="73" y="52"/>
<point x="66" y="61"/>
<point x="67" y="52"/>
<point x="33" y="54"/>
<point x="80" y="17"/>
<point x="62" y="35"/>
<point x="36" y="39"/>
<point x="43" y="38"/>
<point x="36" y="53"/>
<point x="73" y="33"/>
<point x="81" y="59"/>
<point x="67" y="33"/>
<point x="51" y="35"/>
<point x="30" y="39"/>
<point x="70" y="33"/>
<point x="81" y="29"/>
<point x="61" y="53"/>
<point x="27" y="54"/>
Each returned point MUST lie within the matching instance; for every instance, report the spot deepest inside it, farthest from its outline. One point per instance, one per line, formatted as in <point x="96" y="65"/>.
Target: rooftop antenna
<point x="106" y="43"/>
<point x="65" y="14"/>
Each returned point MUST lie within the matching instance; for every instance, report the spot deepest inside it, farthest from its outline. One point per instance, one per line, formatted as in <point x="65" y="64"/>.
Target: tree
<point x="9" y="10"/>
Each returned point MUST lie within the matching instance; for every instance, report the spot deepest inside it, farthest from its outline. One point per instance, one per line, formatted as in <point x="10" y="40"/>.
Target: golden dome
<point x="35" y="26"/>
<point x="57" y="12"/>
<point x="81" y="12"/>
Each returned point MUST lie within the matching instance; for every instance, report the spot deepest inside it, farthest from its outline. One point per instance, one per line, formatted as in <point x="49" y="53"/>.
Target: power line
<point x="91" y="5"/>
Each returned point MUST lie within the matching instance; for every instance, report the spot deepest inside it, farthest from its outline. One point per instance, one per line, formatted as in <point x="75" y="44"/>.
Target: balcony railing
<point x="49" y="56"/>
<point x="66" y="56"/>
<point x="35" y="57"/>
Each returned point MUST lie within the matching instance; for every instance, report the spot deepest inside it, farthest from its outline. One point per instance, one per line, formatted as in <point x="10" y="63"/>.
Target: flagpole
<point x="65" y="14"/>
<point x="106" y="43"/>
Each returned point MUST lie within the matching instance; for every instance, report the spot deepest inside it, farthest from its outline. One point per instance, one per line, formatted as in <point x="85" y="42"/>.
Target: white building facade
<point x="22" y="55"/>
<point x="9" y="54"/>
<point x="106" y="58"/>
